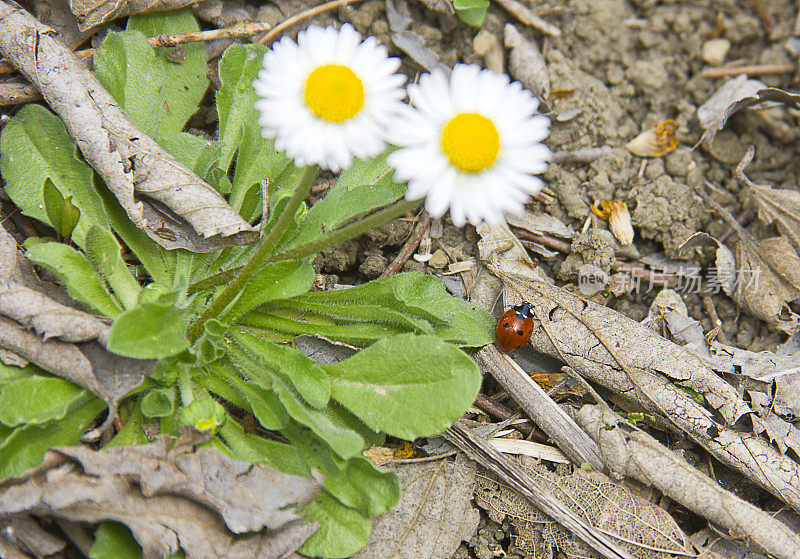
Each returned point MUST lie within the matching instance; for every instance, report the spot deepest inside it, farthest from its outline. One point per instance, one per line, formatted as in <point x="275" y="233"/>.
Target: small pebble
<point x="715" y="51"/>
<point x="439" y="260"/>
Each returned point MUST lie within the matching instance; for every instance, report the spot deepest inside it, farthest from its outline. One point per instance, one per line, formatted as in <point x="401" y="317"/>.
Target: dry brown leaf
<point x="781" y="207"/>
<point x="769" y="278"/>
<point x="525" y="62"/>
<point x="725" y="261"/>
<point x="775" y="375"/>
<point x="645" y="530"/>
<point x="142" y="176"/>
<point x="204" y="502"/>
<point x="736" y="94"/>
<point x="91" y="13"/>
<point x="434" y="514"/>
<point x="631" y="360"/>
<point x="630" y="452"/>
<point x="56" y="14"/>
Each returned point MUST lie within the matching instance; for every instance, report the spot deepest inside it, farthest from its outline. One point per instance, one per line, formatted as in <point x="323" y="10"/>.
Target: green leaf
<point x="239" y="128"/>
<point x="238" y="68"/>
<point x="407" y="386"/>
<point x="356" y="482"/>
<point x="114" y="541"/>
<point x="421" y="299"/>
<point x="151" y="330"/>
<point x="26" y="446"/>
<point x="76" y="272"/>
<point x="279" y="280"/>
<point x="258" y="450"/>
<point x="61" y="212"/>
<point x="158" y="262"/>
<point x="132" y="421"/>
<point x="105" y="253"/>
<point x="158" y="94"/>
<point x="308" y="378"/>
<point x="366" y="185"/>
<point x="37" y="400"/>
<point x="35" y="146"/>
<point x="158" y="402"/>
<point x="342" y="531"/>
<point x="471" y="12"/>
<point x="341" y="437"/>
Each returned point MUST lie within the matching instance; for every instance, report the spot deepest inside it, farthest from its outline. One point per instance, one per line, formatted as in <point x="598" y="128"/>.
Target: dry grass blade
<point x="538" y="494"/>
<point x="142" y="176"/>
<point x="633" y="453"/>
<point x="628" y="358"/>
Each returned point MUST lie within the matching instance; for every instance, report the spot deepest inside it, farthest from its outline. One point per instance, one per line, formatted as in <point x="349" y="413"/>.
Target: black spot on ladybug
<point x="520" y="332"/>
<point x="516" y="348"/>
<point x="505" y="325"/>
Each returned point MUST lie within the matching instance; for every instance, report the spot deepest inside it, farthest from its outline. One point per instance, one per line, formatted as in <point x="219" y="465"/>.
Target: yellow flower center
<point x="334" y="93"/>
<point x="471" y="142"/>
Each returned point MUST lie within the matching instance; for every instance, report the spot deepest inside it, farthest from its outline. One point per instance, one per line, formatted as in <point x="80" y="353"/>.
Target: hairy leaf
<point x="342" y="531"/>
<point x="406" y="386"/>
<point x="104" y="252"/>
<point x="151" y="330"/>
<point x="37" y="400"/>
<point x="76" y="272"/>
<point x="279" y="280"/>
<point x="34" y="147"/>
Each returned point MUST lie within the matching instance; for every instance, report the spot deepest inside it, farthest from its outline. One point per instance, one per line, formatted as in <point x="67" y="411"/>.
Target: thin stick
<point x="238" y="30"/>
<point x="759" y="70"/>
<point x="545" y="240"/>
<point x="411" y="245"/>
<point x="283" y="26"/>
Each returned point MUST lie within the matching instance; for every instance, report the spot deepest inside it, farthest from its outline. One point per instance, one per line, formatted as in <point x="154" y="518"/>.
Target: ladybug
<point x="515" y="327"/>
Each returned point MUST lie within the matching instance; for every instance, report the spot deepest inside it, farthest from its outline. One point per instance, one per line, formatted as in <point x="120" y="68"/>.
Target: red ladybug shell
<point x="515" y="327"/>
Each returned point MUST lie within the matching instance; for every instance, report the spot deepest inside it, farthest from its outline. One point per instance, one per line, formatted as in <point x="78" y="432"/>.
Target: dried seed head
<point x="619" y="219"/>
<point x="656" y="141"/>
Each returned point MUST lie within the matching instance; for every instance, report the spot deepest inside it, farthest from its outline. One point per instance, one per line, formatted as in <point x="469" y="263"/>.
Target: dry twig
<point x="286" y="24"/>
<point x="759" y="70"/>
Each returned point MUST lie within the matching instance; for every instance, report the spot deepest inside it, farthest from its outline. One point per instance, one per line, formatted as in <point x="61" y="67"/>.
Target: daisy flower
<point x="471" y="143"/>
<point x="326" y="98"/>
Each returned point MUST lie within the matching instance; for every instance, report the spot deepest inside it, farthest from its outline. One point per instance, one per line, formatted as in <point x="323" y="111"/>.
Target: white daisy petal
<point x="471" y="143"/>
<point x="328" y="134"/>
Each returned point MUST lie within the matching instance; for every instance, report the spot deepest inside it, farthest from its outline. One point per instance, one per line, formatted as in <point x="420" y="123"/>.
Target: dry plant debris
<point x="434" y="515"/>
<point x="630" y="359"/>
<point x="644" y="529"/>
<point x="201" y="501"/>
<point x="136" y="169"/>
<point x="630" y="452"/>
<point x="91" y="13"/>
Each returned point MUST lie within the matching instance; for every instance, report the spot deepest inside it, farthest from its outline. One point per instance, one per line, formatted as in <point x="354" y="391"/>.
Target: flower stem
<point x="349" y="232"/>
<point x="335" y="237"/>
<point x="259" y="258"/>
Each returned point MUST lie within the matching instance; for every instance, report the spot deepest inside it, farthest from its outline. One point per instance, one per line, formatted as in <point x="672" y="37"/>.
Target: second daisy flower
<point x="470" y="144"/>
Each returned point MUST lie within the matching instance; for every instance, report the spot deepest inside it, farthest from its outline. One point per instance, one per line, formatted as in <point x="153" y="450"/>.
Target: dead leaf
<point x="725" y="262"/>
<point x="225" y="13"/>
<point x="604" y="504"/>
<point x="775" y="375"/>
<point x="174" y="206"/>
<point x="434" y="514"/>
<point x="781" y="207"/>
<point x="525" y="62"/>
<point x="736" y="94"/>
<point x="91" y="13"/>
<point x="204" y="502"/>
<point x="56" y="14"/>
<point x="769" y="278"/>
<point x="409" y="41"/>
<point x="628" y="358"/>
<point x="441" y="6"/>
<point x="630" y="452"/>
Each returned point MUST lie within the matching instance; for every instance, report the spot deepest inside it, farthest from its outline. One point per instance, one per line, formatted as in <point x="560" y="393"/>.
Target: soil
<point x="620" y="67"/>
